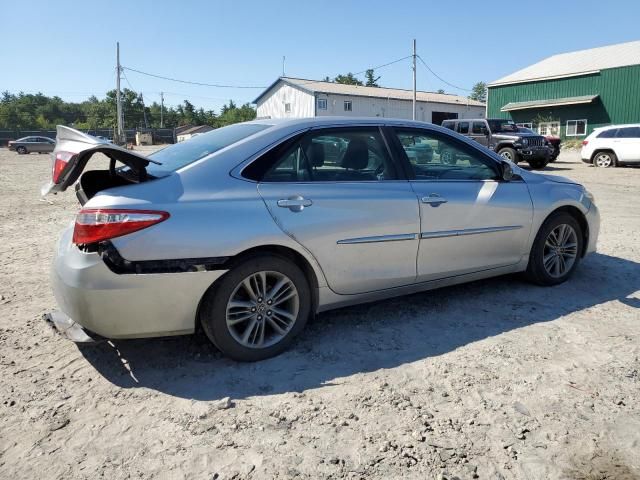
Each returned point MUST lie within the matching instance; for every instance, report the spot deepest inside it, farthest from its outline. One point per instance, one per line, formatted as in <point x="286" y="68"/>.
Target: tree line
<point x="37" y="111"/>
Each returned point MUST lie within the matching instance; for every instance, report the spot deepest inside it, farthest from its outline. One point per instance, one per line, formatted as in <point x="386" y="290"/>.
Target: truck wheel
<point x="538" y="163"/>
<point x="509" y="154"/>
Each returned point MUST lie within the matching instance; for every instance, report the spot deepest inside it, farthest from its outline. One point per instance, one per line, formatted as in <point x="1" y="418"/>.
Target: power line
<point x="363" y="71"/>
<point x="202" y="84"/>
<point x="440" y="78"/>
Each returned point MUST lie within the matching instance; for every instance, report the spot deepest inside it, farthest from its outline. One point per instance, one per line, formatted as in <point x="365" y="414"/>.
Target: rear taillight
<point x="60" y="161"/>
<point x="585" y="142"/>
<point x="96" y="225"/>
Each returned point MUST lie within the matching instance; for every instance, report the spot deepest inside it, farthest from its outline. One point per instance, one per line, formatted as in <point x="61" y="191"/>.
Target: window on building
<point x="322" y="104"/>
<point x="549" y="128"/>
<point x="287" y="108"/>
<point x="463" y="127"/>
<point x="576" y="128"/>
<point x="348" y="107"/>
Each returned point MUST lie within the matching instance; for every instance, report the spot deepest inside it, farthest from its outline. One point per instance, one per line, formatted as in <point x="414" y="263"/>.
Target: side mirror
<point x="507" y="171"/>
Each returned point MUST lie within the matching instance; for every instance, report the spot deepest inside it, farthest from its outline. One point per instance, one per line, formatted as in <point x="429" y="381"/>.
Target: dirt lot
<point x="494" y="380"/>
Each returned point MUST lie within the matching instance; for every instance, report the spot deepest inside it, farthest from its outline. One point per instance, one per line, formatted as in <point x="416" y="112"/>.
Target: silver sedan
<point x="32" y="144"/>
<point x="250" y="229"/>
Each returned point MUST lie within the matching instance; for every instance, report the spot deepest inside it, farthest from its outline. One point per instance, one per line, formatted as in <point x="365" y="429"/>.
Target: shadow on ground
<point x="367" y="337"/>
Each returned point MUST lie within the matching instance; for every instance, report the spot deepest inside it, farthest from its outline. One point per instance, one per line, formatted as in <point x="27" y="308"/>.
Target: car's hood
<point x="514" y="136"/>
<point x="536" y="177"/>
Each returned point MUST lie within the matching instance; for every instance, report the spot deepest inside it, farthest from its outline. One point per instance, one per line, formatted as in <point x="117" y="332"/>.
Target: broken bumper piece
<point x="70" y="329"/>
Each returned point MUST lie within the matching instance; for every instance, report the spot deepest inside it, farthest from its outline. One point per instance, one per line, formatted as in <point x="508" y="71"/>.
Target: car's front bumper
<point x="125" y="305"/>
<point x="593" y="220"/>
<point x="533" y="153"/>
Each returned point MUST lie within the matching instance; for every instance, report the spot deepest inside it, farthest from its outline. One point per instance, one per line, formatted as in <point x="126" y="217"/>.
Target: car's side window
<point x="463" y="127"/>
<point x="611" y="133"/>
<point x="629" y="132"/>
<point x="334" y="155"/>
<point x="435" y="156"/>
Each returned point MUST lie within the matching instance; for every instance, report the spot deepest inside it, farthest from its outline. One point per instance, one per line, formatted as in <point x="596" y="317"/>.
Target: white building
<point x="295" y="97"/>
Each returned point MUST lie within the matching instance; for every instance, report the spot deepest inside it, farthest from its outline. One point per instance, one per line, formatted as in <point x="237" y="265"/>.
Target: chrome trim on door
<point x="379" y="238"/>
<point x="469" y="231"/>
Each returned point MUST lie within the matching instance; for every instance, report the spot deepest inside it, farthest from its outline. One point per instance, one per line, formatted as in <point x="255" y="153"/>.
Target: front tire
<point x="605" y="160"/>
<point x="556" y="250"/>
<point x="538" y="163"/>
<point x="509" y="154"/>
<point x="21" y="150"/>
<point x="256" y="309"/>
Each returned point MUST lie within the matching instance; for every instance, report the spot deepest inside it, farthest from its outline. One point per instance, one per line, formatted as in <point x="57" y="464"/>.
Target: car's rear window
<point x="183" y="153"/>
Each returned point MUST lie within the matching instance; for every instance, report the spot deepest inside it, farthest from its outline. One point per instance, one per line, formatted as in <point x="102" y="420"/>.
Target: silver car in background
<point x="250" y="229"/>
<point x="32" y="144"/>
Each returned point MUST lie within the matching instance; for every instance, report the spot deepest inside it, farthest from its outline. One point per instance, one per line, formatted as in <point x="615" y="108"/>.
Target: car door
<point x="339" y="193"/>
<point x="626" y="144"/>
<point x="471" y="220"/>
<point x="480" y="133"/>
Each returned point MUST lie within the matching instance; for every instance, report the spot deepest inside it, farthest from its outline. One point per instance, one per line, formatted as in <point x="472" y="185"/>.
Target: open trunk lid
<point x="74" y="149"/>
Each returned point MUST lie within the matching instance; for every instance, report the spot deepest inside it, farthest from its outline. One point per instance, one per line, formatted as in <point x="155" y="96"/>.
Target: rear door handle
<point x="434" y="200"/>
<point x="295" y="203"/>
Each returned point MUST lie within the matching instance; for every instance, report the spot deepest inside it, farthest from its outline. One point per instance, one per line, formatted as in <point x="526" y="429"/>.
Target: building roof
<point x="316" y="86"/>
<point x="577" y="63"/>
<point x="554" y="102"/>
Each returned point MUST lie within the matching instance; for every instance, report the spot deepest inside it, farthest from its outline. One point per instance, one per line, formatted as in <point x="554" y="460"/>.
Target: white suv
<point x="612" y="146"/>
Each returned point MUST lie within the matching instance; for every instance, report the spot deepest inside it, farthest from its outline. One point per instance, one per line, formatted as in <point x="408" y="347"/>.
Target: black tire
<point x="537" y="163"/>
<point x="536" y="271"/>
<point x="213" y="308"/>
<point x="21" y="150"/>
<point x="509" y="153"/>
<point x="605" y="160"/>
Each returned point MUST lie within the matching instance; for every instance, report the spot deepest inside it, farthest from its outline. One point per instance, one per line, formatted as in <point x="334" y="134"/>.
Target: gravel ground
<point x="497" y="379"/>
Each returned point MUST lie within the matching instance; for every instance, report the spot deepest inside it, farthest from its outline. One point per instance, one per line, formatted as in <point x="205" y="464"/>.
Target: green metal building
<point x="570" y="94"/>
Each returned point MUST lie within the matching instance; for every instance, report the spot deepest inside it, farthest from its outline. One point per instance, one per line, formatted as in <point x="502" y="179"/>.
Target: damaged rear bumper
<point x="69" y="329"/>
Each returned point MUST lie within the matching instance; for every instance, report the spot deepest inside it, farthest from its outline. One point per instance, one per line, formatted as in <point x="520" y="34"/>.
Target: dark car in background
<point x="504" y="138"/>
<point x="32" y="144"/>
<point x="554" y="142"/>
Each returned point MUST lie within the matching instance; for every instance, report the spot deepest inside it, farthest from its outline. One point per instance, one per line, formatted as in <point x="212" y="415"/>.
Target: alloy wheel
<point x="604" y="160"/>
<point x="506" y="155"/>
<point x="560" y="250"/>
<point x="262" y="309"/>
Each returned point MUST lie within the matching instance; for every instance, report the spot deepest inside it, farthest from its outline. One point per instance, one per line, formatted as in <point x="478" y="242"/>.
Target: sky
<point x="68" y="48"/>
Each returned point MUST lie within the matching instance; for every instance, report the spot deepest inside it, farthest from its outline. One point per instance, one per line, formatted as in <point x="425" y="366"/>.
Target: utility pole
<point x="161" y="109"/>
<point x="120" y="133"/>
<point x="283" y="60"/>
<point x="414" y="78"/>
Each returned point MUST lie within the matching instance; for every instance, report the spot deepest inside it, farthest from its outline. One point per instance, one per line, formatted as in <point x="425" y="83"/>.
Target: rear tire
<point x="256" y="309"/>
<point x="509" y="154"/>
<point x="538" y="164"/>
<point x="21" y="150"/>
<point x="605" y="160"/>
<point x="556" y="250"/>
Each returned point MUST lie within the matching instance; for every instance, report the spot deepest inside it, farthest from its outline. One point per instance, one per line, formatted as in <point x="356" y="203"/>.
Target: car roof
<point x="609" y="127"/>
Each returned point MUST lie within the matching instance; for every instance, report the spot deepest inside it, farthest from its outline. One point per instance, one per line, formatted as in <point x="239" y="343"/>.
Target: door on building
<point x="438" y="117"/>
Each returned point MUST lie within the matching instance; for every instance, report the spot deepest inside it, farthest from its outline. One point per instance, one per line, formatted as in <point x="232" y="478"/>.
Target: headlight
<point x="525" y="142"/>
<point x="589" y="195"/>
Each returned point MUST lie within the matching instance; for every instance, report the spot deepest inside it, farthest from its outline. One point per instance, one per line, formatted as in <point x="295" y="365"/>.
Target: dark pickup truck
<point x="504" y="137"/>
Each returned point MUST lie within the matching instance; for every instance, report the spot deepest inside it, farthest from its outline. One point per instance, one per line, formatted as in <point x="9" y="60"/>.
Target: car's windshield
<point x="181" y="154"/>
<point x="503" y="126"/>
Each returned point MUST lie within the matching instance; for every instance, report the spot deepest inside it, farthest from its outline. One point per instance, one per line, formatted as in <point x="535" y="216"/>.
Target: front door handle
<point x="434" y="200"/>
<point x="295" y="203"/>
